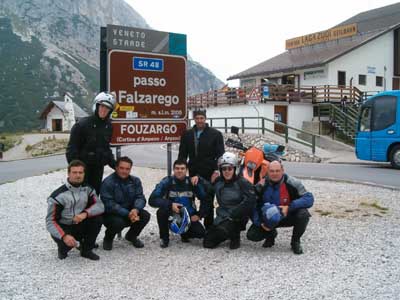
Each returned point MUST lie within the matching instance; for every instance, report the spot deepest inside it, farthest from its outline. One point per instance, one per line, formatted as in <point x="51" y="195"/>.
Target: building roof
<point x="370" y="25"/>
<point x="79" y="112"/>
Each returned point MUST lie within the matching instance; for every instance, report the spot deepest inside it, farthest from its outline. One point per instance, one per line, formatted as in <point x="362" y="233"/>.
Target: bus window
<point x="365" y="120"/>
<point x="384" y="112"/>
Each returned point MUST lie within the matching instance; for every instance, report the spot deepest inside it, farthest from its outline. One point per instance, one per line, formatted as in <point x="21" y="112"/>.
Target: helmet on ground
<point x="105" y="99"/>
<point x="274" y="148"/>
<point x="179" y="223"/>
<point x="271" y="215"/>
<point x="228" y="159"/>
<point x="273" y="152"/>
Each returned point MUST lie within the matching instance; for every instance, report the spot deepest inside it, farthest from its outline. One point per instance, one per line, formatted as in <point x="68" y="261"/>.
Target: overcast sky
<point x="229" y="36"/>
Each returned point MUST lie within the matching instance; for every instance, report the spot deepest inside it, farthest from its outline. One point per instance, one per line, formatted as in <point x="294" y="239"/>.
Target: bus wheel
<point x="395" y="157"/>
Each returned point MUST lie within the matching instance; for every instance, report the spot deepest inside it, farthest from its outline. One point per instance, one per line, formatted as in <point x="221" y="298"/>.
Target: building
<point x="304" y="85"/>
<point x="61" y="115"/>
<point x="361" y="52"/>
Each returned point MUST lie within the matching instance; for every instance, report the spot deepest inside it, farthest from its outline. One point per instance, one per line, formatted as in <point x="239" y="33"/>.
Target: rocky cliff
<point x="52" y="46"/>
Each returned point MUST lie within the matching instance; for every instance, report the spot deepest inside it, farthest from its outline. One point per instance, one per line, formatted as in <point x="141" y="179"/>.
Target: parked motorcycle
<point x="254" y="162"/>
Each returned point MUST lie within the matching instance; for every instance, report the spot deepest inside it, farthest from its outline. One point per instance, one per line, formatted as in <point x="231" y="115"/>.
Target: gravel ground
<point x="351" y="252"/>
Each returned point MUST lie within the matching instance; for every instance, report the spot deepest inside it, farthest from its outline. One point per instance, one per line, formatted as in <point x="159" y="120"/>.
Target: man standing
<point x="282" y="202"/>
<point x="204" y="145"/>
<point x="90" y="140"/>
<point x="124" y="201"/>
<point x="171" y="194"/>
<point x="74" y="214"/>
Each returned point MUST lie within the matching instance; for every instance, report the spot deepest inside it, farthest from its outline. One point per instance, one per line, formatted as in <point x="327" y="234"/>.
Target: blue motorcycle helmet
<point x="179" y="223"/>
<point x="274" y="148"/>
<point x="271" y="215"/>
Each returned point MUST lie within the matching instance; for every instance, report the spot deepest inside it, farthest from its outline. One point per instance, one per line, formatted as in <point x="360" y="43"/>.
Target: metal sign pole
<point x="169" y="159"/>
<point x="258" y="119"/>
<point x="118" y="151"/>
<point x="103" y="59"/>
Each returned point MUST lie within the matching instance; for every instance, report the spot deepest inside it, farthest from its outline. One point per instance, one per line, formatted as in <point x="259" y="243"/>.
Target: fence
<point x="284" y="92"/>
<point x="264" y="125"/>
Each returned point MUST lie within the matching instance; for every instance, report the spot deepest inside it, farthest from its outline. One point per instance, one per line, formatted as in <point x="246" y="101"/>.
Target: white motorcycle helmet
<point x="228" y="159"/>
<point x="105" y="99"/>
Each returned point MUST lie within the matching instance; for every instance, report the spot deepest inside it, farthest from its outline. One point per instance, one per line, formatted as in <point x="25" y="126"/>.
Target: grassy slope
<point x="25" y="85"/>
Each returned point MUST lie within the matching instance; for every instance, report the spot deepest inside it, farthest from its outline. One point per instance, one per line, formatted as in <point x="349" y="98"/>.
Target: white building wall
<point x="297" y="113"/>
<point x="319" y="76"/>
<point x="55" y="113"/>
<point x="377" y="53"/>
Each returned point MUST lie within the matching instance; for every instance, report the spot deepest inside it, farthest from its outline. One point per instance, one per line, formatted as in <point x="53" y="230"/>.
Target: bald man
<point x="282" y="201"/>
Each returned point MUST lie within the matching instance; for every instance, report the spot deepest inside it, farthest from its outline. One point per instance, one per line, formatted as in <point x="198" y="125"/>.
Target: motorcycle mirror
<point x="235" y="130"/>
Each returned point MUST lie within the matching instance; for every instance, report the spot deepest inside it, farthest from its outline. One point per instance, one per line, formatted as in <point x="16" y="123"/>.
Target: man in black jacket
<point x="90" y="140"/>
<point x="236" y="199"/>
<point x="204" y="145"/>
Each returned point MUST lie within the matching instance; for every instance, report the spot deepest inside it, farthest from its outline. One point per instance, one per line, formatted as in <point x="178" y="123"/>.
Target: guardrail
<point x="266" y="125"/>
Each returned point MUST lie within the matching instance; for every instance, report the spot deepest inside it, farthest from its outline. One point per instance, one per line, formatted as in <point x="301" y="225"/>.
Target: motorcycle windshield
<point x="251" y="165"/>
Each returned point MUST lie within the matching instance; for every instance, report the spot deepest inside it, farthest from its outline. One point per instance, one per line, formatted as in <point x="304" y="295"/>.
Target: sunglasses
<point x="227" y="168"/>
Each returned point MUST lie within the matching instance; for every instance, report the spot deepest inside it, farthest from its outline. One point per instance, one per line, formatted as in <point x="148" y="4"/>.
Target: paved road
<point x="13" y="170"/>
<point x="380" y="174"/>
<point x="155" y="156"/>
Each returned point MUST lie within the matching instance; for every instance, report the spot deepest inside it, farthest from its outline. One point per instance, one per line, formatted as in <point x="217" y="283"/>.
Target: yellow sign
<point x="126" y="108"/>
<point x="322" y="36"/>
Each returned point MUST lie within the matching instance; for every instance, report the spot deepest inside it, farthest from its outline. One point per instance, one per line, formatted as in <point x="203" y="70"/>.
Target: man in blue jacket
<point x="176" y="191"/>
<point x="124" y="202"/>
<point x="282" y="202"/>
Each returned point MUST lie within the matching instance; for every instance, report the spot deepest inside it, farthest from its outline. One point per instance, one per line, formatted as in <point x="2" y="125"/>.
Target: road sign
<point x="146" y="71"/>
<point x="142" y="132"/>
<point x="147" y="86"/>
<point x="148" y="64"/>
<point x="145" y="40"/>
<point x="265" y="92"/>
<point x="254" y="97"/>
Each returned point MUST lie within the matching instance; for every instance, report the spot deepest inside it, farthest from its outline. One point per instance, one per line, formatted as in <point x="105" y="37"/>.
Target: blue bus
<point x="378" y="132"/>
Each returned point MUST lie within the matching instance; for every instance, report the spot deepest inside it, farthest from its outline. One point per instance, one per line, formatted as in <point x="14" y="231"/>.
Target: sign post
<point x="253" y="100"/>
<point x="146" y="72"/>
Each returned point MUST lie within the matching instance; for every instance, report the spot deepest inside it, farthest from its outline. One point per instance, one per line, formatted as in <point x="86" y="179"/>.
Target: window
<point x="365" y="121"/>
<point x="248" y="82"/>
<point x="362" y="79"/>
<point x="379" y="81"/>
<point x="384" y="112"/>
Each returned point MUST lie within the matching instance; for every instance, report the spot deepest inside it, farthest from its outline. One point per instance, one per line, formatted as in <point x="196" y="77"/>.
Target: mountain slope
<point x="49" y="47"/>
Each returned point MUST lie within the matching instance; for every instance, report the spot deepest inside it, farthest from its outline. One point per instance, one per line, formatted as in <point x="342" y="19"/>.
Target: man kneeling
<point x="74" y="214"/>
<point x="124" y="201"/>
<point x="175" y="192"/>
<point x="282" y="202"/>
